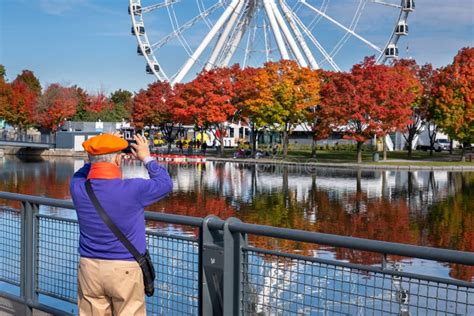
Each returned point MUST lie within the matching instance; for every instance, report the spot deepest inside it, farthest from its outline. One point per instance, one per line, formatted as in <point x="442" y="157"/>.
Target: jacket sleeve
<point x="82" y="173"/>
<point x="155" y="188"/>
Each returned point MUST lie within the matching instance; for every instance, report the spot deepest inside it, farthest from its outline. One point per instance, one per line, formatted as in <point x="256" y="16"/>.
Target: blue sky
<point x="88" y="43"/>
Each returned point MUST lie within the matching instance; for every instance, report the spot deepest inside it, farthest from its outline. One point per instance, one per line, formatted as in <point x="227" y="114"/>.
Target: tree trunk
<point x="221" y="137"/>
<point x="384" y="148"/>
<point x="463" y="152"/>
<point x="409" y="140"/>
<point x="451" y="147"/>
<point x="254" y="141"/>
<point x="285" y="143"/>
<point x="313" y="148"/>
<point x="359" y="152"/>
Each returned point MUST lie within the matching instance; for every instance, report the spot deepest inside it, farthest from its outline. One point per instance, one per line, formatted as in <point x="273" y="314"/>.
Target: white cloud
<point x="58" y="7"/>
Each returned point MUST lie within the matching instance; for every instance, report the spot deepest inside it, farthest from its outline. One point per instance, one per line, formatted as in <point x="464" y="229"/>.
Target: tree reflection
<point x="421" y="208"/>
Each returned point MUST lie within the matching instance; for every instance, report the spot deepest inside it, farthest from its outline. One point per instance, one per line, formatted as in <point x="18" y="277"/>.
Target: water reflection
<point x="421" y="208"/>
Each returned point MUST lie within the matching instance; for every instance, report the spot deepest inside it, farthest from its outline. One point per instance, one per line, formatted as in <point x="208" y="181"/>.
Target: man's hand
<point x="141" y="149"/>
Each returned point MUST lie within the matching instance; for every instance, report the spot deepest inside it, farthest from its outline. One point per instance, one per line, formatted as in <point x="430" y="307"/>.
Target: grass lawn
<point x="420" y="158"/>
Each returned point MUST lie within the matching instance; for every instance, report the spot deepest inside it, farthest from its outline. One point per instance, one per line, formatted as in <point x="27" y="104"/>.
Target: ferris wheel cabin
<point x="402" y="28"/>
<point x="139" y="29"/>
<point x="143" y="50"/>
<point x="408" y="5"/>
<point x="136" y="9"/>
<point x="149" y="70"/>
<point x="391" y="51"/>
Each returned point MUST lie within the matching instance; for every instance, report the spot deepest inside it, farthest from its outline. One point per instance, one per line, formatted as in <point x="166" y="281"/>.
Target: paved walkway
<point x="345" y="165"/>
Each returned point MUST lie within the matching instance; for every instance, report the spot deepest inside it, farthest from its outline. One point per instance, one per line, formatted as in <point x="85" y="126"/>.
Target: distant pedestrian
<point x="110" y="281"/>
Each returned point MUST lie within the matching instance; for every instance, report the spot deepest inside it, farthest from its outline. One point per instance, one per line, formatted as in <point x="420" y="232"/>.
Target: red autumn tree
<point x="209" y="101"/>
<point x="320" y="117"/>
<point x="159" y="105"/>
<point x="453" y="96"/>
<point x="55" y="105"/>
<point x="150" y="106"/>
<point x="398" y="89"/>
<point x="98" y="103"/>
<point x="353" y="99"/>
<point x="420" y="116"/>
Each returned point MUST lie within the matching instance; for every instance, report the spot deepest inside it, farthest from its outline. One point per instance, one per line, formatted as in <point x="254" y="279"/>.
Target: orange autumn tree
<point x="246" y="100"/>
<point x="55" y="105"/>
<point x="285" y="93"/>
<point x="453" y="96"/>
<point x="19" y="106"/>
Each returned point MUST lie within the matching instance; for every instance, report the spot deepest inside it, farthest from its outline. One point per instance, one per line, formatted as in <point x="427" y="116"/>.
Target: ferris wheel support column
<point x="299" y="36"/>
<point x="190" y="62"/>
<point x="289" y="37"/>
<point x="276" y="30"/>
<point x="224" y="35"/>
<point x="238" y="37"/>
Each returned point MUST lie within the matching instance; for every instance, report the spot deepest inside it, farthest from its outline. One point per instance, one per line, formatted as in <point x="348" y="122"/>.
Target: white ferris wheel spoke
<point x="317" y="44"/>
<point x="186" y="26"/>
<point x="393" y="5"/>
<point x="224" y="35"/>
<point x="190" y="62"/>
<point x="289" y="37"/>
<point x="299" y="36"/>
<point x="353" y="25"/>
<point x="233" y="43"/>
<point x="153" y="7"/>
<point x="276" y="29"/>
<point x="341" y="26"/>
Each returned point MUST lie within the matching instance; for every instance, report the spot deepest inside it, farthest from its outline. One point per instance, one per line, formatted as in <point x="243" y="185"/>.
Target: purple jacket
<point x="124" y="201"/>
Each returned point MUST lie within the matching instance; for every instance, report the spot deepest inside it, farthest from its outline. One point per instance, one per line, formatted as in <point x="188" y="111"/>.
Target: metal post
<point x="212" y="269"/>
<point x="28" y="255"/>
<point x="233" y="243"/>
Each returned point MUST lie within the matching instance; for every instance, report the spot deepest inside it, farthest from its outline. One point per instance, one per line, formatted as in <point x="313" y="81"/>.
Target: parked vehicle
<point x="439" y="145"/>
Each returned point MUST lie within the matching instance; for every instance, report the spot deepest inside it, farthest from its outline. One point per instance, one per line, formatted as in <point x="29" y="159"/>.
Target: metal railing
<point x="218" y="272"/>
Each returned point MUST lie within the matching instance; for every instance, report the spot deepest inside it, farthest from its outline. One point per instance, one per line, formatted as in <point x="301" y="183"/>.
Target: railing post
<point x="212" y="260"/>
<point x="28" y="255"/>
<point x="233" y="243"/>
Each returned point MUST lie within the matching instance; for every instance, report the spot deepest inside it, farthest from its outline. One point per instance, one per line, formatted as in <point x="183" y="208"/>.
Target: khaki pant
<point x="110" y="287"/>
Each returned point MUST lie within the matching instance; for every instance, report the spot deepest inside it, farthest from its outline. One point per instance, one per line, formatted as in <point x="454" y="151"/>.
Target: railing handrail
<point x="383" y="247"/>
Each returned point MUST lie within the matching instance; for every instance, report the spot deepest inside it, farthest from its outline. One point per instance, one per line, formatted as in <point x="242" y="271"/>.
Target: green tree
<point x="30" y="80"/>
<point x="2" y="72"/>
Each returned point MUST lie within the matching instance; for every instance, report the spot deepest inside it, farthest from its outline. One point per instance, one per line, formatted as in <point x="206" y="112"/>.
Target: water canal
<point x="420" y="208"/>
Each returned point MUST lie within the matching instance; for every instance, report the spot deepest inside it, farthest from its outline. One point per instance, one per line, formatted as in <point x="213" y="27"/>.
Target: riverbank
<point x="326" y="159"/>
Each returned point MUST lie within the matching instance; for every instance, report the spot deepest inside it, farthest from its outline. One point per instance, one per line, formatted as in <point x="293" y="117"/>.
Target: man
<point x="110" y="281"/>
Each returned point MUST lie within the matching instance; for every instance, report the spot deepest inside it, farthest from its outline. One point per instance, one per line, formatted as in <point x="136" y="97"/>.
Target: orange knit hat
<point x="104" y="144"/>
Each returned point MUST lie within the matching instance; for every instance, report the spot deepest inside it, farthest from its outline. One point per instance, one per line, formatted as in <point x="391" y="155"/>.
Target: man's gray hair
<point x="103" y="158"/>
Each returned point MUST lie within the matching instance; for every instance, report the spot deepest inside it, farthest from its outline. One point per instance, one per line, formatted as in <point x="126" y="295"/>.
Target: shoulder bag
<point x="144" y="261"/>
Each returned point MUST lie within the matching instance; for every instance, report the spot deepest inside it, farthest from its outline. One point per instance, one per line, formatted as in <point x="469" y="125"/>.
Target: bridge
<point x="23" y="141"/>
<point x="217" y="267"/>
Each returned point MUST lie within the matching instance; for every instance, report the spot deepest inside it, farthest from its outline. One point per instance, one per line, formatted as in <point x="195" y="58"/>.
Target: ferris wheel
<point x="179" y="38"/>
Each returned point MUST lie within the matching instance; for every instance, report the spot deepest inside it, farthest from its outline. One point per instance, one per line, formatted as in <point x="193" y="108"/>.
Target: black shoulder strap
<point x="117" y="232"/>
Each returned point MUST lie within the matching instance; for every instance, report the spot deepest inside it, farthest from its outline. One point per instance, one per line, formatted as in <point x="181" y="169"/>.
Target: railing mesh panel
<point x="57" y="258"/>
<point x="278" y="285"/>
<point x="176" y="262"/>
<point x="10" y="232"/>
